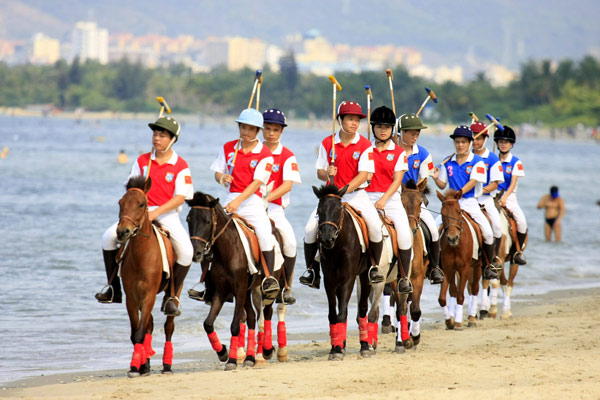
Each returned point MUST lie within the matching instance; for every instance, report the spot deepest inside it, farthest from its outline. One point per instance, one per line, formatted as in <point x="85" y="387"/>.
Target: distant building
<point x="242" y="53"/>
<point x="89" y="42"/>
<point x="44" y="49"/>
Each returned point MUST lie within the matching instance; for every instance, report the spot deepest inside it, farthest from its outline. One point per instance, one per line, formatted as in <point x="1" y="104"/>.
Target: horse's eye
<point x="142" y="205"/>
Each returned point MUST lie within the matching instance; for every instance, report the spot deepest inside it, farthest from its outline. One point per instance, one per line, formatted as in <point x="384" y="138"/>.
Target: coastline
<point x="549" y="348"/>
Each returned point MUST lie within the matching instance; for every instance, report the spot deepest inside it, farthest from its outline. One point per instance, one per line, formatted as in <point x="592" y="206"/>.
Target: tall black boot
<point x="111" y="295"/>
<point x="312" y="275"/>
<point x="404" y="283"/>
<point x="434" y="272"/>
<point x="288" y="266"/>
<point x="179" y="274"/>
<point x="519" y="258"/>
<point x="270" y="286"/>
<point x="489" y="271"/>
<point x="375" y="275"/>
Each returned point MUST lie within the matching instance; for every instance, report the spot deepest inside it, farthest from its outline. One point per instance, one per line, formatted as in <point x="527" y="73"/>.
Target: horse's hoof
<point x="166" y="370"/>
<point x="260" y="360"/>
<point x="133" y="373"/>
<point x="416" y="340"/>
<point x="241" y="354"/>
<point x="365" y="353"/>
<point x="282" y="354"/>
<point x="223" y="356"/>
<point x="385" y="329"/>
<point x="268" y="353"/>
<point x="337" y="357"/>
<point x="472" y="321"/>
<point x="493" y="311"/>
<point x="484" y="314"/>
<point x="408" y="343"/>
<point x="458" y="326"/>
<point x="399" y="348"/>
<point x="231" y="364"/>
<point x="506" y="314"/>
<point x="250" y="361"/>
<point x="450" y="323"/>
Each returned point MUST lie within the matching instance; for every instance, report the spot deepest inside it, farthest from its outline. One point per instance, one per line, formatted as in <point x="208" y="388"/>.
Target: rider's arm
<point x="468" y="186"/>
<point x="285" y="187"/>
<point x="491" y="187"/>
<point x="170" y="205"/>
<point x="357" y="181"/>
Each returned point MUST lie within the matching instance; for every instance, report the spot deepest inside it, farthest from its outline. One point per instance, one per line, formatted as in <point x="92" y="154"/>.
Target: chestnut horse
<point x="142" y="275"/>
<point x="342" y="261"/>
<point x="215" y="237"/>
<point x="457" y="261"/>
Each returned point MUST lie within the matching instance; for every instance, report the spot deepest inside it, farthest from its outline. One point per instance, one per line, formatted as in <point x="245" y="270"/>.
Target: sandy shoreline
<point x="549" y="349"/>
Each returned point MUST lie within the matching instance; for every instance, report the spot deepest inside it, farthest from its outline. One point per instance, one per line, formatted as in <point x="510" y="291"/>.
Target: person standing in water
<point x="554" y="207"/>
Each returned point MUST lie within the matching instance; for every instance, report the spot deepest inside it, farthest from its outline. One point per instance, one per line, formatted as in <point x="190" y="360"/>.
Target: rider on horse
<point x="466" y="171"/>
<point x="352" y="165"/>
<point x="171" y="186"/>
<point x="420" y="166"/>
<point x="384" y="190"/>
<point x="495" y="177"/>
<point x="284" y="174"/>
<point x="513" y="169"/>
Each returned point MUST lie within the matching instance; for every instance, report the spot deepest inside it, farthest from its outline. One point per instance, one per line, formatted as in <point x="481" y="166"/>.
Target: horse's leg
<point x="238" y="313"/>
<point x="136" y="337"/>
<point x="209" y="327"/>
<point x="494" y="283"/>
<point x="474" y="279"/>
<point x="282" y="350"/>
<point x="330" y="290"/>
<point x="363" y="307"/>
<point x="167" y="359"/>
<point x="485" y="299"/>
<point x="250" y="359"/>
<point x="241" y="354"/>
<point x="268" y="338"/>
<point x="442" y="296"/>
<point x="373" y="316"/>
<point x="460" y="292"/>
<point x="258" y="306"/>
<point x="139" y="365"/>
<point x="507" y="290"/>
<point x="148" y="350"/>
<point x="415" y="305"/>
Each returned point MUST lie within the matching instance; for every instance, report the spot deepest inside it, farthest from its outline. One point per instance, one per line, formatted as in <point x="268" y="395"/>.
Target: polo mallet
<point x="473" y="118"/>
<point x="164" y="107"/>
<point x="336" y="87"/>
<point x="369" y="99"/>
<point x="430" y="95"/>
<point x="494" y="121"/>
<point x="257" y="78"/>
<point x="260" y="81"/>
<point x="390" y="76"/>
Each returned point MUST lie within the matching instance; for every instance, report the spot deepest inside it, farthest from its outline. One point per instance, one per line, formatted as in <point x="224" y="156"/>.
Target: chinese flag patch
<point x="294" y="167"/>
<point x="188" y="180"/>
<point x="480" y="170"/>
<point x="269" y="167"/>
<point x="520" y="167"/>
<point x="405" y="159"/>
<point x="500" y="168"/>
<point x="371" y="157"/>
<point x="430" y="165"/>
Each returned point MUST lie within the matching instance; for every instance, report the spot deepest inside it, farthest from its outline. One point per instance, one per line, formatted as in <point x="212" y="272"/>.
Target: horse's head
<point x="330" y="212"/>
<point x="133" y="208"/>
<point x="451" y="215"/>
<point x="412" y="198"/>
<point x="202" y="221"/>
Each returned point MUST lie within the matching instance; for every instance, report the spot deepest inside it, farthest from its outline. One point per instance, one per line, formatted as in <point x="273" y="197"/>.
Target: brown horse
<point x="142" y="275"/>
<point x="215" y="238"/>
<point x="457" y="260"/>
<point x="342" y="261"/>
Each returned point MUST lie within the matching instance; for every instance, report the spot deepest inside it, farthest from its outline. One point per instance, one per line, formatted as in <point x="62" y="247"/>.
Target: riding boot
<point x="288" y="266"/>
<point x="519" y="258"/>
<point x="270" y="286"/>
<point x="434" y="272"/>
<point x="111" y="295"/>
<point x="375" y="275"/>
<point x="497" y="243"/>
<point x="201" y="295"/>
<point x="312" y="275"/>
<point x="489" y="270"/>
<point x="179" y="274"/>
<point x="404" y="283"/>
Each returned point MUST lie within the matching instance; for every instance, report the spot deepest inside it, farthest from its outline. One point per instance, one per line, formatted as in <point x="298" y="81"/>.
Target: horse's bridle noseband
<point x="136" y="226"/>
<point x="338" y="226"/>
<point x="208" y="243"/>
<point x="453" y="218"/>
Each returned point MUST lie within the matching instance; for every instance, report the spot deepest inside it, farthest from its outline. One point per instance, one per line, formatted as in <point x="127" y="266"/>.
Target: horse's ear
<point x="403" y="187"/>
<point x="147" y="185"/>
<point x="213" y="203"/>
<point x="343" y="190"/>
<point x="421" y="186"/>
<point x="316" y="191"/>
<point x="440" y="196"/>
<point x="458" y="194"/>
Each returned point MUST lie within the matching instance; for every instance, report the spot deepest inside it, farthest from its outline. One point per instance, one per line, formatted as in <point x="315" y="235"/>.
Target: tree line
<point x="558" y="95"/>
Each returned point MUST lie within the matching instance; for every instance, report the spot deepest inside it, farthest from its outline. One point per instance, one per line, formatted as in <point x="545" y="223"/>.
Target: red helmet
<point x="350" y="108"/>
<point x="478" y="127"/>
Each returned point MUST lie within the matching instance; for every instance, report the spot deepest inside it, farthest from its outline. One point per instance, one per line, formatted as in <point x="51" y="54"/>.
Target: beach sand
<point x="550" y="348"/>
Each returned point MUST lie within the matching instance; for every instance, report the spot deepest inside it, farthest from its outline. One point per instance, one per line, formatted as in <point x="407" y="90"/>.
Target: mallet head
<point x="258" y="74"/>
<point x="369" y="93"/>
<point x="431" y="94"/>
<point x="495" y="121"/>
<point x="335" y="82"/>
<point x="388" y="72"/>
<point x="474" y="117"/>
<point x="163" y="104"/>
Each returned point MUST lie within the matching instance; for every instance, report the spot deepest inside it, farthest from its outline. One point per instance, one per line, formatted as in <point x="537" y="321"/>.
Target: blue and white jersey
<point x="512" y="166"/>
<point x="458" y="175"/>
<point x="493" y="169"/>
<point x="420" y="165"/>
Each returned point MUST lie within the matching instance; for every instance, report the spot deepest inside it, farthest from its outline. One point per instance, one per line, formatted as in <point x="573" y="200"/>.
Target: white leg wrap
<point x="387" y="310"/>
<point x="485" y="300"/>
<point x="452" y="304"/>
<point x="494" y="294"/>
<point x="473" y="305"/>
<point x="415" y="327"/>
<point x="506" y="301"/>
<point x="458" y="313"/>
<point x="446" y="312"/>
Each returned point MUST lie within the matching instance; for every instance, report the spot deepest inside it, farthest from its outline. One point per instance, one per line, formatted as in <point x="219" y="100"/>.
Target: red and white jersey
<point x="168" y="180"/>
<point x="285" y="168"/>
<point x="349" y="160"/>
<point x="387" y="161"/>
<point x="256" y="164"/>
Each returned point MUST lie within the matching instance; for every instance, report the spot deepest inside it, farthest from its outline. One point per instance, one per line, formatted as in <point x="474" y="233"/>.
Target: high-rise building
<point x="44" y="49"/>
<point x="89" y="42"/>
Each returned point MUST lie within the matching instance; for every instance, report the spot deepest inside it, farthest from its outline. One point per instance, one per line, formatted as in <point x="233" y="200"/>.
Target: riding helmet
<point x="410" y="122"/>
<point x="383" y="116"/>
<point x="462" y="131"/>
<point x="167" y="124"/>
<point x="274" y="116"/>
<point x="252" y="117"/>
<point x="506" y="134"/>
<point x="479" y="127"/>
<point x="350" y="108"/>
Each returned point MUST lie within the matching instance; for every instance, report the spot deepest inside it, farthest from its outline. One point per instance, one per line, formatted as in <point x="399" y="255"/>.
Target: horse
<point x="215" y="237"/>
<point x="342" y="260"/>
<point x="457" y="262"/>
<point x="142" y="275"/>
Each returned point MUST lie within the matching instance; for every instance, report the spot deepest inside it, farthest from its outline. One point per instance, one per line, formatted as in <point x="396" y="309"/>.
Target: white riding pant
<point x="277" y="214"/>
<point x="182" y="245"/>
<point x="513" y="206"/>
<point x="488" y="202"/>
<point x="253" y="210"/>
<point x="471" y="206"/>
<point x="394" y="210"/>
<point x="430" y="222"/>
<point x="358" y="200"/>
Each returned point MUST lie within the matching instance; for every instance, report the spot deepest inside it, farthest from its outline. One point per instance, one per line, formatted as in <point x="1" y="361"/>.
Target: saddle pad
<point x="391" y="231"/>
<point x="163" y="253"/>
<point x="475" y="241"/>
<point x="359" y="231"/>
<point x="252" y="264"/>
<point x="388" y="242"/>
<point x="505" y="224"/>
<point x="425" y="252"/>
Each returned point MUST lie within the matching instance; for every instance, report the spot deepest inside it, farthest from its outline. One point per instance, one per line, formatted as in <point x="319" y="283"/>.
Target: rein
<point x="461" y="220"/>
<point x="213" y="238"/>
<point x="136" y="225"/>
<point x="338" y="226"/>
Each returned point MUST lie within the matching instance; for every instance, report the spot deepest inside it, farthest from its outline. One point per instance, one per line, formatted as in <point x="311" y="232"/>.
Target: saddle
<point x="248" y="231"/>
<point x="361" y="222"/>
<point x="512" y="226"/>
<point x="392" y="231"/>
<point x="477" y="231"/>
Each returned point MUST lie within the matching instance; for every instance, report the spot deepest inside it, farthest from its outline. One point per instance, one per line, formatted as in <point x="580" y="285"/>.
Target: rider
<point x="420" y="166"/>
<point x="384" y="190"/>
<point x="493" y="168"/>
<point x="171" y="185"/>
<point x="284" y="174"/>
<point x="513" y="169"/>
<point x="353" y="164"/>
<point x="466" y="171"/>
<point x="244" y="165"/>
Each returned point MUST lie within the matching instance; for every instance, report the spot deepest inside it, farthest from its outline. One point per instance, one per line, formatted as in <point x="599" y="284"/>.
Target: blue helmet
<point x="252" y="117"/>
<point x="274" y="116"/>
<point x="462" y="131"/>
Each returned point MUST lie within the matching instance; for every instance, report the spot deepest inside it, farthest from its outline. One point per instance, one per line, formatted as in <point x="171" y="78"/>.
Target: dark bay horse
<point x="142" y="275"/>
<point x="342" y="261"/>
<point x="457" y="260"/>
<point x="215" y="237"/>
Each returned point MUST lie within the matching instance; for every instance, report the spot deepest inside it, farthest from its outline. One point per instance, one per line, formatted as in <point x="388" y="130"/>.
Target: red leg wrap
<point x="234" y="347"/>
<point x="268" y="344"/>
<point x="372" y="333"/>
<point x="168" y="353"/>
<point x="333" y="333"/>
<point x="251" y="342"/>
<point x="363" y="332"/>
<point x="242" y="335"/>
<point x="148" y="350"/>
<point x="261" y="341"/>
<point x="404" y="335"/>
<point x="341" y="334"/>
<point x="214" y="341"/>
<point x="281" y="334"/>
<point x="138" y="356"/>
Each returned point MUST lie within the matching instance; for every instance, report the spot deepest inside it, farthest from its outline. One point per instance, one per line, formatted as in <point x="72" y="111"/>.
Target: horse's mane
<point x="326" y="189"/>
<point x="200" y="199"/>
<point x="137" y="181"/>
<point x="412" y="185"/>
<point x="450" y="192"/>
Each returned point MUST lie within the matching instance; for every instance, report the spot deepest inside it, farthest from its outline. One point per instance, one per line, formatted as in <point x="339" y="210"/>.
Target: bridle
<point x="338" y="226"/>
<point x="450" y="224"/>
<point x="208" y="243"/>
<point x="136" y="225"/>
<point x="409" y="216"/>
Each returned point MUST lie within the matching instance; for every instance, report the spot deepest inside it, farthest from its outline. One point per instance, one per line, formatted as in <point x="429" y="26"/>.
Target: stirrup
<point x="112" y="294"/>
<point x="164" y="307"/>
<point x="287" y="297"/>
<point x="199" y="295"/>
<point x="378" y="279"/>
<point x="410" y="285"/>
<point x="271" y="288"/>
<point x="305" y="279"/>
<point x="489" y="272"/>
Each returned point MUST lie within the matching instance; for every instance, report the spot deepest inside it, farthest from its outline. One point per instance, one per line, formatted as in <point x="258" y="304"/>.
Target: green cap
<point x="166" y="123"/>
<point x="410" y="122"/>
